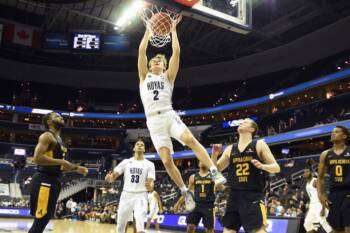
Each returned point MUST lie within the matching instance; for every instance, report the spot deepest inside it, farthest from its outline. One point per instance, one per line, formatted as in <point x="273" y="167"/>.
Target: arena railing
<point x="193" y="112"/>
<point x="297" y="135"/>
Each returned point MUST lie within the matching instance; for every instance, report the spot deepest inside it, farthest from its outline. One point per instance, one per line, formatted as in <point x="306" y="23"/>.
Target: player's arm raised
<point x="40" y="158"/>
<point x="322" y="170"/>
<point x="224" y="160"/>
<point x="269" y="162"/>
<point x="117" y="171"/>
<point x="174" y="62"/>
<point x="142" y="63"/>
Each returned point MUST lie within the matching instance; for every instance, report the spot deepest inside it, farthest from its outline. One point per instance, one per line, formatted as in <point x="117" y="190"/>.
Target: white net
<point x="159" y="21"/>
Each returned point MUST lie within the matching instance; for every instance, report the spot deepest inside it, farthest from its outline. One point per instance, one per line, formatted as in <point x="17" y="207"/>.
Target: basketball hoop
<point x="159" y="22"/>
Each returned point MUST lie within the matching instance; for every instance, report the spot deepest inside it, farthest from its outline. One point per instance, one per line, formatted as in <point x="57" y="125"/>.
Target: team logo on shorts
<point x="182" y="221"/>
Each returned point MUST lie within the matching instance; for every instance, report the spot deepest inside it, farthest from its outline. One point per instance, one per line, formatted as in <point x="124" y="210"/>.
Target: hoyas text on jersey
<point x="135" y="170"/>
<point x="155" y="85"/>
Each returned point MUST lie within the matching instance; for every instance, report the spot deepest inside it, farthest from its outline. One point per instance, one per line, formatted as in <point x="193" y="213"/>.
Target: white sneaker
<point x="189" y="201"/>
<point x="218" y="178"/>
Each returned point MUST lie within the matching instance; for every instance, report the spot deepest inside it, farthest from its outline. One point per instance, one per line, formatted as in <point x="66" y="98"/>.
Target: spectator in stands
<point x="70" y="205"/>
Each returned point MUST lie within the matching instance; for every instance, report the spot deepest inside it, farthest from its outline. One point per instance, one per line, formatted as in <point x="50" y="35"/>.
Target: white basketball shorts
<point x="129" y="203"/>
<point x="163" y="127"/>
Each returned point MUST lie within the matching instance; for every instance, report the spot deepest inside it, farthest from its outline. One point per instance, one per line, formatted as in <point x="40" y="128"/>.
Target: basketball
<point x="161" y="24"/>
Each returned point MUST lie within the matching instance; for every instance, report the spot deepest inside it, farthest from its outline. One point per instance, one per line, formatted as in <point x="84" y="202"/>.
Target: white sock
<point x="213" y="169"/>
<point x="183" y="189"/>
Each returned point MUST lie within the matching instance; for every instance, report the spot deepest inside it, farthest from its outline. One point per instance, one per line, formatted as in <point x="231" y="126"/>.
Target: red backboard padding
<point x="189" y="3"/>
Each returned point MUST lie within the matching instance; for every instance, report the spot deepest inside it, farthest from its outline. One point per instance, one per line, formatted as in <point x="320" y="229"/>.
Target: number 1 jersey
<point x="136" y="172"/>
<point x="156" y="93"/>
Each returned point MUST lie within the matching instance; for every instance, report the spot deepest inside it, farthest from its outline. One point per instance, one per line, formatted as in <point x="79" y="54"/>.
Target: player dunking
<point x="156" y="89"/>
<point x="49" y="155"/>
<point x="139" y="175"/>
<point x="246" y="179"/>
<point x="336" y="162"/>
<point x="154" y="206"/>
<point x="313" y="217"/>
<point x="203" y="187"/>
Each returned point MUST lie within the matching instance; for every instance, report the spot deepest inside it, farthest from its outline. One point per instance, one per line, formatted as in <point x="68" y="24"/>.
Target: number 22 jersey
<point x="156" y="93"/>
<point x="136" y="172"/>
<point x="242" y="174"/>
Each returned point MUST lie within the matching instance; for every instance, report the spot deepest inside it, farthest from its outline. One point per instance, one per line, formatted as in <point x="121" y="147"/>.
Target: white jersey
<point x="136" y="172"/>
<point x="156" y="93"/>
<point x="312" y="192"/>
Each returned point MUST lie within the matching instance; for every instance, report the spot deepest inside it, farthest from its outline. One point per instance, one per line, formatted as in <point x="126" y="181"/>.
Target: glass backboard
<point x="234" y="15"/>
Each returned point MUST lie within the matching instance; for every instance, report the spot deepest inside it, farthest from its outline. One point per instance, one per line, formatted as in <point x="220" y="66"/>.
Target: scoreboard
<point x="83" y="41"/>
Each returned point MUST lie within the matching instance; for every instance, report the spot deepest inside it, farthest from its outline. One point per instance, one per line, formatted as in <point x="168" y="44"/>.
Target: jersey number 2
<point x="135" y="178"/>
<point x="156" y="93"/>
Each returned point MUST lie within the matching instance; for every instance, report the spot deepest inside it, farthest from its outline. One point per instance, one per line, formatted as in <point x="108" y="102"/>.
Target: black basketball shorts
<point x="44" y="194"/>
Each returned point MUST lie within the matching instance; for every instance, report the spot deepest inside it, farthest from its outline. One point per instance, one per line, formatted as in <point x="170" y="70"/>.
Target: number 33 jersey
<point x="136" y="172"/>
<point x="156" y="93"/>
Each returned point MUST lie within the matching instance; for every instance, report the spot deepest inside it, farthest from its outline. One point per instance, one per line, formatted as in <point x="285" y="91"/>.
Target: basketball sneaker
<point x="217" y="177"/>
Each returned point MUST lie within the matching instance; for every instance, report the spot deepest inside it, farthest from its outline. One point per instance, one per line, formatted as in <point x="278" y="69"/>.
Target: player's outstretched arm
<point x="41" y="159"/>
<point x="174" y="62"/>
<point x="78" y="169"/>
<point x="117" y="171"/>
<point x="224" y="160"/>
<point x="142" y="63"/>
<point x="112" y="176"/>
<point x="322" y="170"/>
<point x="270" y="164"/>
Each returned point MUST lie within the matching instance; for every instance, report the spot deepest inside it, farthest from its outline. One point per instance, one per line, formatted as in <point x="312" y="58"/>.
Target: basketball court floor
<point x="62" y="226"/>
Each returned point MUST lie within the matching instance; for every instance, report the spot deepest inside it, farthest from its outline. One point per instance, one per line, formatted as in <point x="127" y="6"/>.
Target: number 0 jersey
<point x="242" y="174"/>
<point x="339" y="169"/>
<point x="136" y="172"/>
<point x="156" y="93"/>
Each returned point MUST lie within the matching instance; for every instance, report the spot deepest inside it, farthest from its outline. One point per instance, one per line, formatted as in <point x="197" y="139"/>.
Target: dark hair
<point x="45" y="120"/>
<point x="344" y="130"/>
<point x="140" y="140"/>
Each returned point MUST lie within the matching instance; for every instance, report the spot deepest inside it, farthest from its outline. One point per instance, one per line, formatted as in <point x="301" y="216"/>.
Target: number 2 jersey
<point x="156" y="93"/>
<point x="136" y="173"/>
<point x="242" y="174"/>
<point x="339" y="169"/>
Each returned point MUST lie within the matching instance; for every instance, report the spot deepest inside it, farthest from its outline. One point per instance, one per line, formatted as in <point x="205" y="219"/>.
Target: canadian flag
<point x="22" y="35"/>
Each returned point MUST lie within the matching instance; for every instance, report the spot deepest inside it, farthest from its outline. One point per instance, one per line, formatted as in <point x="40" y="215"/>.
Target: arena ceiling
<point x="275" y="22"/>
